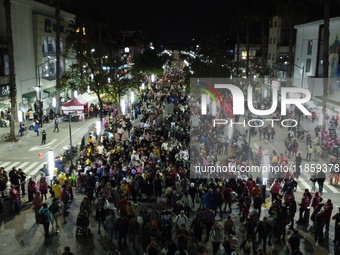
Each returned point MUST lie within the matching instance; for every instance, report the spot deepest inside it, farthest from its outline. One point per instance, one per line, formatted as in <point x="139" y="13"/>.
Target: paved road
<point x="24" y="153"/>
<point x="330" y="191"/>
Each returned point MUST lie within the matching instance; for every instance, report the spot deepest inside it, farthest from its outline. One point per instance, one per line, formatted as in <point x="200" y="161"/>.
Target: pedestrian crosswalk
<point x="29" y="168"/>
<point x="303" y="181"/>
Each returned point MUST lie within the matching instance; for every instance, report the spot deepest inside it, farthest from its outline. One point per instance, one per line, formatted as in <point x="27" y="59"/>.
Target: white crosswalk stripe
<point x="29" y="168"/>
<point x="303" y="181"/>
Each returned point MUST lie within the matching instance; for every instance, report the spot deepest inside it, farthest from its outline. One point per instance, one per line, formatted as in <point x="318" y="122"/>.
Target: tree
<point x="12" y="84"/>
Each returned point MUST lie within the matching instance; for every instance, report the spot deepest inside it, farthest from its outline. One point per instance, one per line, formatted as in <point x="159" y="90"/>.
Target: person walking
<point x="320" y="178"/>
<point x="56" y="125"/>
<point x="313" y="179"/>
<point x="44" y="210"/>
<point x="43" y="137"/>
<point x="298" y="161"/>
<point x="54" y="209"/>
<point x="36" y="128"/>
<point x="22" y="176"/>
<point x="100" y="217"/>
<point x="275" y="189"/>
<point x="120" y="132"/>
<point x="15" y="197"/>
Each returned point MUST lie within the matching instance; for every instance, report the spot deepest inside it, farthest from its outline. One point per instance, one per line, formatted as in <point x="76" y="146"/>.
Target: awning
<point x="3" y="106"/>
<point x="32" y="94"/>
<point x="50" y="90"/>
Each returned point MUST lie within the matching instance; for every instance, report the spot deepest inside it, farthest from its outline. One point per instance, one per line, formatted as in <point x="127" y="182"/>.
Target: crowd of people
<point x="139" y="185"/>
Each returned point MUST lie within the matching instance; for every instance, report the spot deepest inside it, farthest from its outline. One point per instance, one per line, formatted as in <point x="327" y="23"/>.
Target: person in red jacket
<point x="15" y="197"/>
<point x="305" y="201"/>
<point x="316" y="200"/>
<point x="275" y="189"/>
<point x="227" y="194"/>
<point x="328" y="213"/>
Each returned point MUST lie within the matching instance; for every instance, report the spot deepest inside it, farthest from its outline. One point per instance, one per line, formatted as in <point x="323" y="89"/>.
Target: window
<point x="275" y="23"/>
<point x="309" y="47"/>
<point x="273" y="57"/>
<point x="270" y="40"/>
<point x="269" y="56"/>
<point x="274" y="40"/>
<point x="308" y="64"/>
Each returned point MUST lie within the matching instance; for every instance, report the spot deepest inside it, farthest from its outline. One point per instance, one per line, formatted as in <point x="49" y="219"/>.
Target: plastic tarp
<point x="74" y="106"/>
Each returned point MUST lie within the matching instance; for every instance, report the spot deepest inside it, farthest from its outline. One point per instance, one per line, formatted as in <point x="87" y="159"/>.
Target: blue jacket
<point x="36" y="127"/>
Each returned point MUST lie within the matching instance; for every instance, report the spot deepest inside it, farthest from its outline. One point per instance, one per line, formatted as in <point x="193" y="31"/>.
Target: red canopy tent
<point x="74" y="106"/>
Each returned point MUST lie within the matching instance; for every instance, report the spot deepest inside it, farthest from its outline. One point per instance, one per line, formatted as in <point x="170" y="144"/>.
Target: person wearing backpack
<point x="48" y="218"/>
<point x="54" y="209"/>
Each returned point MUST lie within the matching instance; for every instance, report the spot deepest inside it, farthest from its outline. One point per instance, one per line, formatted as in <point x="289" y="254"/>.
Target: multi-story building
<point x="34" y="46"/>
<point x="309" y="55"/>
<point x="278" y="41"/>
<point x="254" y="57"/>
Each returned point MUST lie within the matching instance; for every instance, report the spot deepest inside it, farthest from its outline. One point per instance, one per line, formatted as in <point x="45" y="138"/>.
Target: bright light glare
<point x="122" y="106"/>
<point x="265" y="164"/>
<point x="75" y="93"/>
<point x="152" y="77"/>
<point x="98" y="127"/>
<point x="20" y="116"/>
<point x="51" y="162"/>
<point x="143" y="85"/>
<point x="132" y="97"/>
<point x="54" y="102"/>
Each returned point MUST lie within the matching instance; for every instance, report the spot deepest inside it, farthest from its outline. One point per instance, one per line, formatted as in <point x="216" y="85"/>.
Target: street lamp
<point x="98" y="127"/>
<point x="50" y="165"/>
<point x="54" y="104"/>
<point x="20" y="121"/>
<point x="70" y="134"/>
<point x="122" y="106"/>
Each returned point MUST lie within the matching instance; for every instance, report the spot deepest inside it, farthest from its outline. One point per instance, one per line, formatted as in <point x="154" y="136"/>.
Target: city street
<point x="24" y="153"/>
<point x="28" y="236"/>
<point x="330" y="191"/>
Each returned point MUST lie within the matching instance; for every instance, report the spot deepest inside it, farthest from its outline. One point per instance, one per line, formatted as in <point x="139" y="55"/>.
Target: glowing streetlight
<point x="122" y="106"/>
<point x="50" y="166"/>
<point x="98" y="127"/>
<point x="54" y="104"/>
<point x="20" y="121"/>
<point x="132" y="97"/>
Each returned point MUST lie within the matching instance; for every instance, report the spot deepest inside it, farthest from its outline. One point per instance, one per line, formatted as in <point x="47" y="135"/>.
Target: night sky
<point x="163" y="20"/>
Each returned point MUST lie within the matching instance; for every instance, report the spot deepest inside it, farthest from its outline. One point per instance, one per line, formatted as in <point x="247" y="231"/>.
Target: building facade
<point x="34" y="46"/>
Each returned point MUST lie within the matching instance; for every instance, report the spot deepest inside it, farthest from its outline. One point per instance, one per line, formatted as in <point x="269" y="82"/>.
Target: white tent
<point x="88" y="98"/>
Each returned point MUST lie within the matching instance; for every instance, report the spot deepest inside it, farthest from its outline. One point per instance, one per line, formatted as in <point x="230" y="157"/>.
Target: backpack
<point x="209" y="217"/>
<point x="217" y="234"/>
<point x="41" y="218"/>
